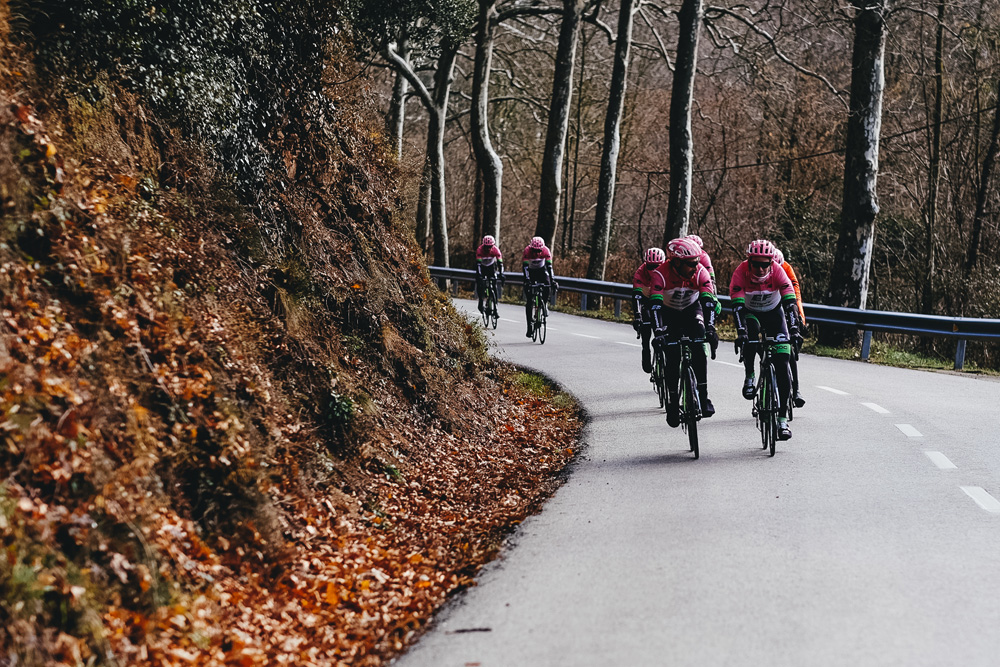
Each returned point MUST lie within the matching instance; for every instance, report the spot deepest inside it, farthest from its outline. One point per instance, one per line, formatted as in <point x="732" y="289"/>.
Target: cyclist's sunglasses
<point x="761" y="266"/>
<point x="689" y="263"/>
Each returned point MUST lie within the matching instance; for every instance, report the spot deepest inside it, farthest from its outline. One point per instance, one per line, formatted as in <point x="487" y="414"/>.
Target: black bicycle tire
<point x="494" y="315"/>
<point x="689" y="409"/>
<point x="544" y="322"/>
<point x="772" y="410"/>
<point x="659" y="382"/>
<point x="761" y="410"/>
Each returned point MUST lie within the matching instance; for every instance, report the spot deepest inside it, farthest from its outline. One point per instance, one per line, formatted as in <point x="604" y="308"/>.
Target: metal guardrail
<point x="867" y="321"/>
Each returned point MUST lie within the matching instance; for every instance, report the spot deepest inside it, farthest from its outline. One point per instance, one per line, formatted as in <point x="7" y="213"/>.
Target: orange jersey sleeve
<point x="790" y="272"/>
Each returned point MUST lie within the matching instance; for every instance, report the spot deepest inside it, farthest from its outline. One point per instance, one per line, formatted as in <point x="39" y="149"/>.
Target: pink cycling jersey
<point x="763" y="296"/>
<point x="676" y="291"/>
<point x="487" y="254"/>
<point x="536" y="258"/>
<point x="642" y="281"/>
<point x="706" y="261"/>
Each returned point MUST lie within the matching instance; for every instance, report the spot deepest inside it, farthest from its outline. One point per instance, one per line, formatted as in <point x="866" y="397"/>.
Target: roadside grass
<point x="542" y="387"/>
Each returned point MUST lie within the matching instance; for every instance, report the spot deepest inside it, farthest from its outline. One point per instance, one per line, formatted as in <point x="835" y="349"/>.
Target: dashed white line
<point x="909" y="431"/>
<point x="728" y="363"/>
<point x="877" y="408"/>
<point x="504" y="319"/>
<point x="983" y="498"/>
<point x="586" y="336"/>
<point x="629" y="344"/>
<point x="941" y="461"/>
<point x="832" y="390"/>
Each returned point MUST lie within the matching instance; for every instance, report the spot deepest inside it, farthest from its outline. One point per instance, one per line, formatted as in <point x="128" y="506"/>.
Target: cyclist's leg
<point x="750" y="355"/>
<point x="480" y="285"/>
<point x="645" y="331"/>
<point x="672" y="320"/>
<point x="527" y="306"/>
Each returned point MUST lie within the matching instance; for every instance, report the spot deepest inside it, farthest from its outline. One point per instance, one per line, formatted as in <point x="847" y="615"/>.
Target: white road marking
<point x="629" y="344"/>
<point x="728" y="363"/>
<point x="877" y="408"/>
<point x="940" y="460"/>
<point x="832" y="390"/>
<point x="504" y="319"/>
<point x="909" y="431"/>
<point x="983" y="498"/>
<point x="586" y="336"/>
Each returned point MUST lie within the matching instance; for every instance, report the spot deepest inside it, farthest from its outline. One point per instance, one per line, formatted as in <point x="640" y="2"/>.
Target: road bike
<point x="490" y="314"/>
<point x="686" y="389"/>
<point x="539" y="312"/>
<point x="766" y="402"/>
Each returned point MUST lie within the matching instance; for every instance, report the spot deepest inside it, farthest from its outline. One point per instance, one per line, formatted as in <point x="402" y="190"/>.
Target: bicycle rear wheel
<point x="690" y="408"/>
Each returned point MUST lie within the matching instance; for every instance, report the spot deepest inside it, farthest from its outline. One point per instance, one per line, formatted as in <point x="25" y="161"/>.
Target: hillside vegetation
<point x="240" y="425"/>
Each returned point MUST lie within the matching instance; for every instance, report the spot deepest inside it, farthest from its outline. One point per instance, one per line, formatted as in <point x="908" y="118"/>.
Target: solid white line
<point x="940" y="460"/>
<point x="909" y="431"/>
<point x="629" y="344"/>
<point x="586" y="336"/>
<point x="728" y="363"/>
<point x="877" y="408"/>
<point x="982" y="498"/>
<point x="832" y="390"/>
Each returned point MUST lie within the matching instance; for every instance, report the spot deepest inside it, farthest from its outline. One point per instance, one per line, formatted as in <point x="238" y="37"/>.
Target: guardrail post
<point x="618" y="308"/>
<point x="866" y="345"/>
<point x="960" y="354"/>
<point x="583" y="301"/>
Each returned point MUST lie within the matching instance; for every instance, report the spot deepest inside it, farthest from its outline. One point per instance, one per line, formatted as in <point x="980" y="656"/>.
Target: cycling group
<point x="675" y="300"/>
<point x="536" y="263"/>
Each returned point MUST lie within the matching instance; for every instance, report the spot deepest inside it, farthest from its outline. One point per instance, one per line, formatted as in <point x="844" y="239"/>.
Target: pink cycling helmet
<point x="779" y="257"/>
<point x="488" y="241"/>
<point x="655" y="256"/>
<point x="696" y="239"/>
<point x="683" y="249"/>
<point x="537" y="243"/>
<point x="761" y="250"/>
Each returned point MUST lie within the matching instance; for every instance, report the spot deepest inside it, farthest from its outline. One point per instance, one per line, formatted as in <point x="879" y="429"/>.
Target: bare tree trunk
<point x="985" y="181"/>
<point x="397" y="107"/>
<point x="681" y="146"/>
<point x="424" y="206"/>
<point x="435" y="132"/>
<point x="601" y="235"/>
<point x="852" y="261"/>
<point x="437" y="111"/>
<point x="490" y="165"/>
<point x="555" y="136"/>
<point x="935" y="162"/>
<point x="477" y="210"/>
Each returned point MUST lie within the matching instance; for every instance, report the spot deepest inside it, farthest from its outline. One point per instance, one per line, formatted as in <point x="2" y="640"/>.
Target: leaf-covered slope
<point x="239" y="425"/>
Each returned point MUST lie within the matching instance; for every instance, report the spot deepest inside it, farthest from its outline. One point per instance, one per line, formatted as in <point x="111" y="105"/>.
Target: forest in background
<point x="769" y="118"/>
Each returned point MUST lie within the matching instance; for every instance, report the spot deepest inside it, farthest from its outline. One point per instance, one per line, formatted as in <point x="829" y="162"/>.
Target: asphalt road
<point x="871" y="538"/>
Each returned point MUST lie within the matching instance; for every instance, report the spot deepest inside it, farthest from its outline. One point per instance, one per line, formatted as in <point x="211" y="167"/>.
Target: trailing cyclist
<point x="706" y="261"/>
<point x="537" y="266"/>
<point x="489" y="264"/>
<point x="763" y="297"/>
<point x="683" y="302"/>
<point x="642" y="283"/>
<point x="797" y="341"/>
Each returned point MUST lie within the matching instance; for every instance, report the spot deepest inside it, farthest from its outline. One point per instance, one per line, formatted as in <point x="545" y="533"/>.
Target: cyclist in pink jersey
<point x="706" y="261"/>
<point x="642" y="283"/>
<point x="683" y="302"/>
<point x="489" y="263"/>
<point x="763" y="297"/>
<point x="536" y="263"/>
<point x="779" y="259"/>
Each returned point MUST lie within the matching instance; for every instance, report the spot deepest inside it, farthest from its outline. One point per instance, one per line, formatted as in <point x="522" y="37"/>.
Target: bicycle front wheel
<point x="494" y="315"/>
<point x="690" y="408"/>
<point x="660" y="377"/>
<point x="540" y="319"/>
<point x="772" y="409"/>
<point x="487" y="307"/>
